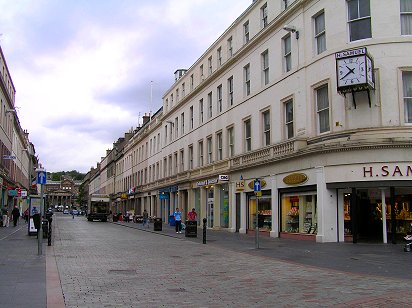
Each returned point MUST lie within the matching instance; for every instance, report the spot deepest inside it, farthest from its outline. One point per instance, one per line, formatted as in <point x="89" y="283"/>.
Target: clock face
<point x="351" y="71"/>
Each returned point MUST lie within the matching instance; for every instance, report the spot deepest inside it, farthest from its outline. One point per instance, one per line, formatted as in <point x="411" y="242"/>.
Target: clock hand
<point x="351" y="71"/>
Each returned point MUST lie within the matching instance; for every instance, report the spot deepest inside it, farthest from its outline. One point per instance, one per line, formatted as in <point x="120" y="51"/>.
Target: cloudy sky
<point x="82" y="69"/>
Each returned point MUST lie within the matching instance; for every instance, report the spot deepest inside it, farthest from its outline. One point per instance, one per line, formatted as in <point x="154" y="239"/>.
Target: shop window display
<point x="347" y="216"/>
<point x="264" y="214"/>
<point x="299" y="213"/>
<point x="224" y="206"/>
<point x="371" y="217"/>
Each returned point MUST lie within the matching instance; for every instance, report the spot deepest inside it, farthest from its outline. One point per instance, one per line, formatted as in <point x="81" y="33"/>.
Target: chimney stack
<point x="146" y="118"/>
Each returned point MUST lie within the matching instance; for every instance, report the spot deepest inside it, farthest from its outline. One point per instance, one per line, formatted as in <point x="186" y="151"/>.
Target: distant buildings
<point x="64" y="192"/>
<point x="311" y="97"/>
<point x="18" y="159"/>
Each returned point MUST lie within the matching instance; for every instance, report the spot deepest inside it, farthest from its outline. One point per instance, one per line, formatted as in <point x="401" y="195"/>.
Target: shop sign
<point x="201" y="183"/>
<point x="295" y="179"/>
<point x="240" y="185"/>
<point x="123" y="196"/>
<point x="207" y="182"/>
<point x="12" y="193"/>
<point x="163" y="196"/>
<point x="223" y="178"/>
<point x="169" y="189"/>
<point x="388" y="171"/>
<point x="24" y="193"/>
<point x="252" y="184"/>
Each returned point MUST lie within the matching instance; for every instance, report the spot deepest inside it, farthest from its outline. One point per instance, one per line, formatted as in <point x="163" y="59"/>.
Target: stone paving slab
<point x="107" y="265"/>
<point x="22" y="270"/>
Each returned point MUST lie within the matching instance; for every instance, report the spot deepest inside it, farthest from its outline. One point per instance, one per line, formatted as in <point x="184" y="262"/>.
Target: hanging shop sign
<point x="295" y="179"/>
<point x="223" y="178"/>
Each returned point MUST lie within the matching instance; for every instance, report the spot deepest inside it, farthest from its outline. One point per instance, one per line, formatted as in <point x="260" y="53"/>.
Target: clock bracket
<point x="354" y="99"/>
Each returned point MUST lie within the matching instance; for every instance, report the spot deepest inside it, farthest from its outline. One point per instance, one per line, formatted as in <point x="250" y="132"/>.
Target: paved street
<point x="115" y="265"/>
<point x="22" y="270"/>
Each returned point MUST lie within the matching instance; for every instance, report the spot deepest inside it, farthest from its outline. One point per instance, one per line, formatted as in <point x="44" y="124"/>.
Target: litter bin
<point x="172" y="221"/>
<point x="191" y="228"/>
<point x="157" y="224"/>
<point x="45" y="227"/>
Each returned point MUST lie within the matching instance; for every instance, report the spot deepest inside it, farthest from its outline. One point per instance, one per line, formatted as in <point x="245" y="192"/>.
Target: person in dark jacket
<point x="15" y="213"/>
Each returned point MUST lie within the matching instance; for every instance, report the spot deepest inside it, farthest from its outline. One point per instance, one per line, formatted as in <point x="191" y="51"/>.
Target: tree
<point x="75" y="175"/>
<point x="82" y="198"/>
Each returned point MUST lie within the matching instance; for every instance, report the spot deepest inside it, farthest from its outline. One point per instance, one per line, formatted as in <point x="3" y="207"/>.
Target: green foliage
<point x="57" y="176"/>
<point x="82" y="198"/>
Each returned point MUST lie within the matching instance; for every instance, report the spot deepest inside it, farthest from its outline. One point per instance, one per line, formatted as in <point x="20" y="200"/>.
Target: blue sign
<point x="41" y="177"/>
<point x="256" y="185"/>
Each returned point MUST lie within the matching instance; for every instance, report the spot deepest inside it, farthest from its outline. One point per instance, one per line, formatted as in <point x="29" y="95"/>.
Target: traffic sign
<point x="256" y="185"/>
<point x="41" y="177"/>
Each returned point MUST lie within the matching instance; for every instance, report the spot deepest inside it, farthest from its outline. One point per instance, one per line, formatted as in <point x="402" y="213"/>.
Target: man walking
<point x="178" y="220"/>
<point x="15" y="213"/>
<point x="145" y="218"/>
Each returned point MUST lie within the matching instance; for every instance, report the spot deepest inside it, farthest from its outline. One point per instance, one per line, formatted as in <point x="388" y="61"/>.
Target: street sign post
<point x="41" y="179"/>
<point x="258" y="192"/>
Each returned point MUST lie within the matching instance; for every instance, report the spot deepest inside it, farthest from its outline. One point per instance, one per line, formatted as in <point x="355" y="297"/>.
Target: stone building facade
<point x="313" y="98"/>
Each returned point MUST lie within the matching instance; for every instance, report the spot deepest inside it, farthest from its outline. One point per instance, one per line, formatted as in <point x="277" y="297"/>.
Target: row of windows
<point x="221" y="144"/>
<point x="6" y="80"/>
<point x="359" y="26"/>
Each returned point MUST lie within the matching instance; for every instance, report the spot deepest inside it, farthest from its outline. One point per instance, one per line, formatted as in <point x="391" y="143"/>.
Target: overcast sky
<point x="83" y="69"/>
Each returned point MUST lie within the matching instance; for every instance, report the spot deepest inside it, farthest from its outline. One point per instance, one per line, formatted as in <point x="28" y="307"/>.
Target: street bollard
<point x="49" y="235"/>
<point x="204" y="230"/>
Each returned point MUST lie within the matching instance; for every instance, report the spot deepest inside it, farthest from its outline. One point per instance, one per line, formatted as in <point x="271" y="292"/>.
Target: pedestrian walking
<point x="15" y="213"/>
<point x="178" y="220"/>
<point x="145" y="218"/>
<point x="192" y="215"/>
<point x="5" y="214"/>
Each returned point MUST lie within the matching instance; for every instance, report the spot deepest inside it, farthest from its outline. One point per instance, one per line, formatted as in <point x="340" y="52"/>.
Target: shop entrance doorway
<point x="370" y="218"/>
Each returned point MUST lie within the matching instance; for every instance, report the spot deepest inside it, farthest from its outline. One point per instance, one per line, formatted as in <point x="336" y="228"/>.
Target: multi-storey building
<point x="311" y="97"/>
<point x="62" y="193"/>
<point x="17" y="158"/>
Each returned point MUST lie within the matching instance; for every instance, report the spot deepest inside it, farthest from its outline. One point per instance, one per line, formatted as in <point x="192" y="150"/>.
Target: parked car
<point x="66" y="212"/>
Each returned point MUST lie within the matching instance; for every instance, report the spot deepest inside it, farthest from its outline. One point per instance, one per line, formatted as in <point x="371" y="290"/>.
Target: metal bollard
<point x="49" y="235"/>
<point x="204" y="230"/>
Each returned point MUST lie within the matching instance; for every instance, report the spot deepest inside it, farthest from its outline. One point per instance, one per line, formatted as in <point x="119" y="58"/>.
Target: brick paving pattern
<point x="108" y="265"/>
